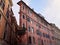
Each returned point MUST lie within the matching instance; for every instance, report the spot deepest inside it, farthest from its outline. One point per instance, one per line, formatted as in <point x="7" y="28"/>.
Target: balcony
<point x="21" y="31"/>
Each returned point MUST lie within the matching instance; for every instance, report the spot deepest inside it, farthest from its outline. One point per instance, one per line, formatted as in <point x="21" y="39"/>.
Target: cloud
<point x="52" y="12"/>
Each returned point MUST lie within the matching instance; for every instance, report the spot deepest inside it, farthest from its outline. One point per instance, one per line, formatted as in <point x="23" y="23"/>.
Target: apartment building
<point x="38" y="29"/>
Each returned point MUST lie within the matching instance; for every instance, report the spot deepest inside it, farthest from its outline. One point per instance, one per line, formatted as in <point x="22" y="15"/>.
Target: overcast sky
<point x="50" y="9"/>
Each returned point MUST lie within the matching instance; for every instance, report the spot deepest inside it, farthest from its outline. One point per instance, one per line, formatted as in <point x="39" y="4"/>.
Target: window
<point x="33" y="40"/>
<point x="45" y="23"/>
<point x="29" y="40"/>
<point x="29" y="12"/>
<point x="5" y="32"/>
<point x="48" y="36"/>
<point x="29" y="28"/>
<point x="38" y="41"/>
<point x="42" y="42"/>
<point x="0" y="16"/>
<point x="44" y="35"/>
<point x="32" y="30"/>
<point x="23" y="7"/>
<point x="2" y="4"/>
<point x="52" y="38"/>
<point x="23" y="25"/>
<point x="23" y="16"/>
<point x="28" y="19"/>
<point x="38" y="33"/>
<point x="7" y="14"/>
<point x="31" y="21"/>
<point x="38" y="25"/>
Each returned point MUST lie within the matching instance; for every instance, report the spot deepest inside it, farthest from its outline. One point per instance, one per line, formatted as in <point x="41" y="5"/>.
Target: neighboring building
<point x="8" y="23"/>
<point x="38" y="29"/>
<point x="3" y="9"/>
<point x="56" y="33"/>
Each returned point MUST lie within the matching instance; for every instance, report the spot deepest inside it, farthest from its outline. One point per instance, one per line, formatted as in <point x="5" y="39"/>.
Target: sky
<point x="50" y="9"/>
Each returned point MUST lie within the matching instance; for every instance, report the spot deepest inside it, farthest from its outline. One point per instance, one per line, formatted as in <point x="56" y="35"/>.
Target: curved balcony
<point x="21" y="31"/>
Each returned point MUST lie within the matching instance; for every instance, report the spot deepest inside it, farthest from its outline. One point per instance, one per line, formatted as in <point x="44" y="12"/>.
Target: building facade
<point x="3" y="9"/>
<point x="8" y="23"/>
<point x="38" y="29"/>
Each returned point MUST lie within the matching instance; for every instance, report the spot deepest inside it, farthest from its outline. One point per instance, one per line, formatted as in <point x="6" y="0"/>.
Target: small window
<point x="29" y="12"/>
<point x="38" y="25"/>
<point x="7" y="14"/>
<point x="28" y="19"/>
<point x="31" y="21"/>
<point x="2" y="4"/>
<point x="5" y="32"/>
<point x="23" y="25"/>
<point x="44" y="35"/>
<point x="29" y="41"/>
<point x="42" y="42"/>
<point x="33" y="40"/>
<point x="29" y="28"/>
<point x="38" y="41"/>
<point x="23" y="16"/>
<point x="0" y="16"/>
<point x="32" y="30"/>
<point x="52" y="38"/>
<point x="39" y="33"/>
<point x="23" y="7"/>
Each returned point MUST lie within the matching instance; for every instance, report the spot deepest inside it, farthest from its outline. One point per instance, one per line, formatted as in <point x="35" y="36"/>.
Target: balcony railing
<point x="21" y="31"/>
